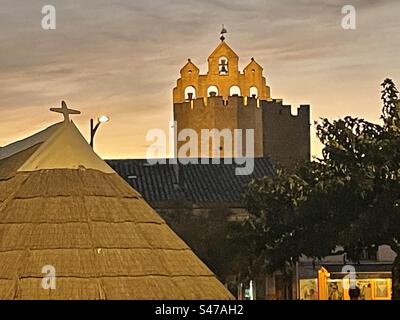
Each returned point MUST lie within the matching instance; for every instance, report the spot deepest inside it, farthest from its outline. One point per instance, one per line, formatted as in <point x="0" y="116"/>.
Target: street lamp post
<point x="94" y="128"/>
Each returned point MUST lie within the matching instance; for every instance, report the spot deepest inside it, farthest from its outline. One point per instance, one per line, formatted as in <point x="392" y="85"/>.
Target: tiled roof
<point x="196" y="183"/>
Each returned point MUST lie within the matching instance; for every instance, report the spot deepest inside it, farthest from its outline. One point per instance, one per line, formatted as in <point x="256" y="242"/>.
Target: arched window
<point x="253" y="92"/>
<point x="223" y="66"/>
<point x="234" y="91"/>
<point x="190" y="93"/>
<point x="212" y="91"/>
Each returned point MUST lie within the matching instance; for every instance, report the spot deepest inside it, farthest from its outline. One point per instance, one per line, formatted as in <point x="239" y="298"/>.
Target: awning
<point x="363" y="271"/>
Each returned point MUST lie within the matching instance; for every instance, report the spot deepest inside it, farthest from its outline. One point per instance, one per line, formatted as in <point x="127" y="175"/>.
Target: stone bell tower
<point x="227" y="98"/>
<point x="223" y="98"/>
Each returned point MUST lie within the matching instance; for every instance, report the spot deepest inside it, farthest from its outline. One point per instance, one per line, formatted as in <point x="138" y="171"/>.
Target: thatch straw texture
<point x="103" y="239"/>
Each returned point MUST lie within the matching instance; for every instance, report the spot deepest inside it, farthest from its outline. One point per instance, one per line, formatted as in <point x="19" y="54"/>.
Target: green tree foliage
<point x="350" y="197"/>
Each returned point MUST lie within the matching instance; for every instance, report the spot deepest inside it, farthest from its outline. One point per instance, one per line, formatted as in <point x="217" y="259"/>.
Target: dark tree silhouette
<point x="348" y="198"/>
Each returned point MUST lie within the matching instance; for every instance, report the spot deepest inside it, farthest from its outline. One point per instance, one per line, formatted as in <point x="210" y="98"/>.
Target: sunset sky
<point x="122" y="58"/>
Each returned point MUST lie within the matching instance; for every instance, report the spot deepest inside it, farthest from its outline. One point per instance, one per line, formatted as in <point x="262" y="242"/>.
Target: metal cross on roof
<point x="65" y="111"/>
<point x="223" y="32"/>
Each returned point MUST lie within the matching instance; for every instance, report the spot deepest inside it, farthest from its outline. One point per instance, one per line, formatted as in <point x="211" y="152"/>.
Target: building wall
<point x="286" y="138"/>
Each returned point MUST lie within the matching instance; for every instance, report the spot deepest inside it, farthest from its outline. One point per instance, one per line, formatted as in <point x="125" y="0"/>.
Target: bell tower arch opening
<point x="212" y="91"/>
<point x="234" y="91"/>
<point x="190" y="93"/>
<point x="254" y="92"/>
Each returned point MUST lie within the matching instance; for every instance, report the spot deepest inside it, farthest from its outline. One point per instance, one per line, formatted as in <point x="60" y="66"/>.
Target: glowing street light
<point x="93" y="128"/>
<point x="104" y="119"/>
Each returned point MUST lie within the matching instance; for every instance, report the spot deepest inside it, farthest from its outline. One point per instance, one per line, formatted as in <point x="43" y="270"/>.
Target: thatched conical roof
<point x="62" y="206"/>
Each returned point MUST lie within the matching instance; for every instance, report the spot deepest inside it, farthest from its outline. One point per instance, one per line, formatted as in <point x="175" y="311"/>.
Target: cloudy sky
<point x="122" y="58"/>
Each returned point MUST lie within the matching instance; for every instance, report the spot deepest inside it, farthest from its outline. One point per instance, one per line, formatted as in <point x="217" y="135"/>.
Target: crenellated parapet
<point x="286" y="137"/>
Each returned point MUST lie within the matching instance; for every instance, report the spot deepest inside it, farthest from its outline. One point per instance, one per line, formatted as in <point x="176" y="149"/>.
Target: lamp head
<point x="103" y="119"/>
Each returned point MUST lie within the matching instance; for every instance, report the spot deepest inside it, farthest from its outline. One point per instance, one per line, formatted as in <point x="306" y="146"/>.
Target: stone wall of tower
<point x="286" y="138"/>
<point x="249" y="117"/>
<point x="217" y="113"/>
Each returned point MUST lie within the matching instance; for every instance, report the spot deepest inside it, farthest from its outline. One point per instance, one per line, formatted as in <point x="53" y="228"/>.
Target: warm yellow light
<point x="104" y="119"/>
